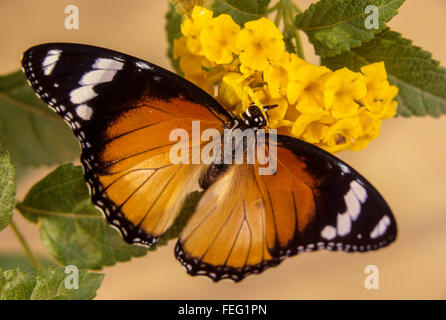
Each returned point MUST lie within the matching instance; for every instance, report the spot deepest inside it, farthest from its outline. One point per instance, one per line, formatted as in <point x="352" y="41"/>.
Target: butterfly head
<point x="254" y="117"/>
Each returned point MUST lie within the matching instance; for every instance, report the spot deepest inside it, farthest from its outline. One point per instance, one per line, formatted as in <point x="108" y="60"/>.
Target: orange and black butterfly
<point x="122" y="110"/>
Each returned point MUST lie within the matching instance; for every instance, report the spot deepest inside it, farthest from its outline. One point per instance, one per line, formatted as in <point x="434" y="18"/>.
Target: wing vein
<point x="218" y="233"/>
<point x="159" y="195"/>
<point x="250" y="235"/>
<point x="235" y="239"/>
<point x="132" y="131"/>
<point x="135" y="155"/>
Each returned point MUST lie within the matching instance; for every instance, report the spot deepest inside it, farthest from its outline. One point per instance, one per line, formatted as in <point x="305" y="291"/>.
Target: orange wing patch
<point x="143" y="131"/>
<point x="289" y="199"/>
<point x="226" y="234"/>
<point x="245" y="222"/>
<point x="137" y="178"/>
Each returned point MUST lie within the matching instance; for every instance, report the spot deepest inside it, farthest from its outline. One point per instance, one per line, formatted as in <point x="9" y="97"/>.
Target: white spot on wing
<point x="356" y="195"/>
<point x="82" y="94"/>
<point x="97" y="76"/>
<point x="381" y="227"/>
<point x="328" y="233"/>
<point x="50" y="60"/>
<point x="359" y="190"/>
<point x="109" y="64"/>
<point x="84" y="112"/>
<point x="344" y="168"/>
<point x="344" y="224"/>
<point x="353" y="205"/>
<point x="143" y="65"/>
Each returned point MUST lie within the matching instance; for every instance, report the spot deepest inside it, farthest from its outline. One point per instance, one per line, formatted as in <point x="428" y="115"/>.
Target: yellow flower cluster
<point x="334" y="110"/>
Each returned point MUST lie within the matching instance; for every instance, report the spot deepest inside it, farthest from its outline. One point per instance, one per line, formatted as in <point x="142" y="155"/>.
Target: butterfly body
<point x="123" y="111"/>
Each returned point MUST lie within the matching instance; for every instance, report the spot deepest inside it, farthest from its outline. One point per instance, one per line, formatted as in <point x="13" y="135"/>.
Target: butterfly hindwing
<point x="246" y="222"/>
<point x="122" y="110"/>
<point x="226" y="236"/>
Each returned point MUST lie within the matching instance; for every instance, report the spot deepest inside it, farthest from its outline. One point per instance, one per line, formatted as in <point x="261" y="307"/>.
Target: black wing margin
<point x="350" y="215"/>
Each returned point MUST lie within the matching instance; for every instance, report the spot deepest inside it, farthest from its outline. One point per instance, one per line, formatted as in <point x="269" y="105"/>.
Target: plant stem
<point x="299" y="47"/>
<point x="25" y="246"/>
<point x="273" y="8"/>
<point x="279" y="16"/>
<point x="290" y="10"/>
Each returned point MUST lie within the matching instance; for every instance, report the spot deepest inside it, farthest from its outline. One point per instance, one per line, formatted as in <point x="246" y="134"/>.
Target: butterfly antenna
<point x="266" y="108"/>
<point x="269" y="107"/>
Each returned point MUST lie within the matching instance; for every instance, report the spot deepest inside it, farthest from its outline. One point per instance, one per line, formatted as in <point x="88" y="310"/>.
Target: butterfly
<point x="123" y="109"/>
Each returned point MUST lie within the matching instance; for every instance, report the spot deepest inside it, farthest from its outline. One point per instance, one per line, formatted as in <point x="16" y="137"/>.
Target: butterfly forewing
<point x="122" y="111"/>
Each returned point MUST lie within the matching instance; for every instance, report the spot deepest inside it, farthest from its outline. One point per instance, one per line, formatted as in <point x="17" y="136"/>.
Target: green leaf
<point x="173" y="30"/>
<point x="33" y="134"/>
<point x="7" y="188"/>
<point x="420" y="79"/>
<point x="71" y="228"/>
<point x="241" y="10"/>
<point x="47" y="284"/>
<point x="336" y="26"/>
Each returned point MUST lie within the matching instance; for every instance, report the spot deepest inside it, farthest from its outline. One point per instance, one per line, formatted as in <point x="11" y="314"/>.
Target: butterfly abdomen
<point x="212" y="173"/>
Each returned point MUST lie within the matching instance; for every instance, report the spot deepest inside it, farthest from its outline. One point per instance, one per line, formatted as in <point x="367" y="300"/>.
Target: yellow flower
<point x="304" y="120"/>
<point x="192" y="27"/>
<point x="202" y="81"/>
<point x="385" y="108"/>
<point x="390" y="105"/>
<point x="230" y="91"/>
<point x="189" y="62"/>
<point x="342" y="134"/>
<point x="259" y="42"/>
<point x="335" y="111"/>
<point x="293" y="67"/>
<point x="375" y="77"/>
<point x="185" y="7"/>
<point x="277" y="114"/>
<point x="342" y="89"/>
<point x="276" y="74"/>
<point x="370" y="127"/>
<point x="307" y="88"/>
<point x="379" y="99"/>
<point x="218" y="39"/>
<point x="315" y="132"/>
<point x="233" y="66"/>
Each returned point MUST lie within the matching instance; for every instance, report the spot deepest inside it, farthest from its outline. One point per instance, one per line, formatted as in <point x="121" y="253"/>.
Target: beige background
<point x="406" y="163"/>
